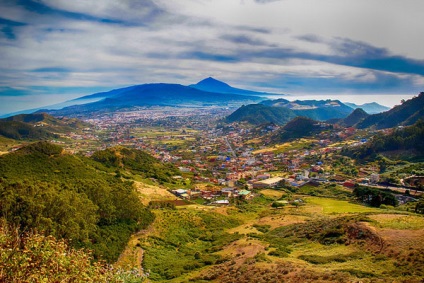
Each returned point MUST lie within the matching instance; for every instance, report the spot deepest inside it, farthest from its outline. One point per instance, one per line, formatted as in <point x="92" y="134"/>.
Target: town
<point x="221" y="161"/>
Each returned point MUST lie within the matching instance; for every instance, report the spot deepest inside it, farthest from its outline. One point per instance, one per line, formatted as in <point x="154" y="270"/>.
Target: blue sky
<point x="56" y="50"/>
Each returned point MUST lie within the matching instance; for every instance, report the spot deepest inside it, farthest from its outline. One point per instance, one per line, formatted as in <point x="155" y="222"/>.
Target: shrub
<point x="32" y="257"/>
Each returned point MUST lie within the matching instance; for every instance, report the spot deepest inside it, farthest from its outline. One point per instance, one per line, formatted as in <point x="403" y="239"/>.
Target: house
<point x="349" y="184"/>
<point x="245" y="194"/>
<point x="374" y="178"/>
<point x="268" y="183"/>
<point x="228" y="192"/>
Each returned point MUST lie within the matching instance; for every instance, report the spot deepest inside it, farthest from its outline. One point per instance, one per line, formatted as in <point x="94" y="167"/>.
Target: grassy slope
<point x="253" y="243"/>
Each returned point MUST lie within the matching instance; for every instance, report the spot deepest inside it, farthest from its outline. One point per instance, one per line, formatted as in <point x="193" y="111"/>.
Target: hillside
<point x="405" y="114"/>
<point x="257" y="114"/>
<point x="299" y="127"/>
<point x="320" y="110"/>
<point x="137" y="162"/>
<point x="406" y="142"/>
<point x="19" y="130"/>
<point x="80" y="199"/>
<point x="37" y="126"/>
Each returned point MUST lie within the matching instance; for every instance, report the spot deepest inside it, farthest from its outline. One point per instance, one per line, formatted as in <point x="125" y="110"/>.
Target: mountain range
<point x="332" y="111"/>
<point x="315" y="109"/>
<point x="370" y="108"/>
<point x="209" y="92"/>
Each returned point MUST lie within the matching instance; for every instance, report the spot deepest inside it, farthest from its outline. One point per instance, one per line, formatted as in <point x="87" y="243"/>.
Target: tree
<point x="419" y="207"/>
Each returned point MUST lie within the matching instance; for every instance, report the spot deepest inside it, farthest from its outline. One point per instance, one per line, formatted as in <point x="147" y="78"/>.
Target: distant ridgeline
<point x="77" y="198"/>
<point x="281" y="111"/>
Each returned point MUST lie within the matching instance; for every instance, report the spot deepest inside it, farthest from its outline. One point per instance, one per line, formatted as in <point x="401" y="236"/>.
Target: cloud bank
<point x="54" y="50"/>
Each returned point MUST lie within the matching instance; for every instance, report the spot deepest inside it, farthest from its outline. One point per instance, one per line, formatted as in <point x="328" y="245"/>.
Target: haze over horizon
<point x="56" y="50"/>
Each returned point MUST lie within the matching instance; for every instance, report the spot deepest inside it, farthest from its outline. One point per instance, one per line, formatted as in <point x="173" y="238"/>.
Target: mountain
<point x="154" y="95"/>
<point x="299" y="127"/>
<point x="212" y="85"/>
<point x="401" y="115"/>
<point x="320" y="110"/>
<point x="257" y="114"/>
<point x="37" y="126"/>
<point x="370" y="108"/>
<point x="355" y="117"/>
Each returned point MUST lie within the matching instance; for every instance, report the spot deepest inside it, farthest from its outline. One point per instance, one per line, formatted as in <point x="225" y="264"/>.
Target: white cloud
<point x="155" y="41"/>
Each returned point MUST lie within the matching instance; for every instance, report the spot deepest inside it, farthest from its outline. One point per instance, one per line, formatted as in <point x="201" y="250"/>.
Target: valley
<point x="219" y="200"/>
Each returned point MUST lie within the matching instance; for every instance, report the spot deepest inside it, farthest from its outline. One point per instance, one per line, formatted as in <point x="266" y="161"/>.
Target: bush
<point x="32" y="257"/>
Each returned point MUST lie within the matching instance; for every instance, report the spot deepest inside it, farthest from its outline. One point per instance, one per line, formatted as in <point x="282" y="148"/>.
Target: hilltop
<point x="213" y="85"/>
<point x="354" y="118"/>
<point x="257" y="114"/>
<point x="299" y="127"/>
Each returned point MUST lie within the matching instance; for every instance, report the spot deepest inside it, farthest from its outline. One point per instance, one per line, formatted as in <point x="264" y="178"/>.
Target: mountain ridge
<point x="405" y="114"/>
<point x="370" y="108"/>
<point x="213" y="85"/>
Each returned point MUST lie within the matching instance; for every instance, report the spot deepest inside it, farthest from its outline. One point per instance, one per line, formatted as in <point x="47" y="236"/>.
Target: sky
<point x="55" y="50"/>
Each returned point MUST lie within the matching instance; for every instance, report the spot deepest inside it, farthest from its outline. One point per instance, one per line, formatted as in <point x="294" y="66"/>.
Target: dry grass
<point x="273" y="193"/>
<point x="153" y="193"/>
<point x="242" y="249"/>
<point x="399" y="222"/>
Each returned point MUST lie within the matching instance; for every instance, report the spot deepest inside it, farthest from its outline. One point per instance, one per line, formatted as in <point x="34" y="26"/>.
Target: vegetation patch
<point x="317" y="259"/>
<point x="185" y="240"/>
<point x="398" y="222"/>
<point x="335" y="206"/>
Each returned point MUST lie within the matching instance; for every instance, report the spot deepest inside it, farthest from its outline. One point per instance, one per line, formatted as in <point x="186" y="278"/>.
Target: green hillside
<point x="37" y="126"/>
<point x="257" y="114"/>
<point x="72" y="197"/>
<point x="409" y="140"/>
<point x="299" y="127"/>
<point x="137" y="162"/>
<point x="405" y="114"/>
<point x="18" y="130"/>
